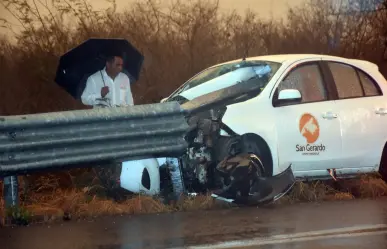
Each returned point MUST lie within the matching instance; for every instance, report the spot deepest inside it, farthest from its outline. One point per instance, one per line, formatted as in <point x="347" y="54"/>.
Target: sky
<point x="265" y="8"/>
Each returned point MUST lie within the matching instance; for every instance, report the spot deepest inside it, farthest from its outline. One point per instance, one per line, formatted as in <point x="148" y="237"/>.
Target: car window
<point x="261" y="69"/>
<point x="369" y="85"/>
<point x="346" y="80"/>
<point x="308" y="80"/>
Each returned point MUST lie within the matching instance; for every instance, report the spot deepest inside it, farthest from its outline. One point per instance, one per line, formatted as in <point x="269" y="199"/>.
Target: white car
<point x="323" y="115"/>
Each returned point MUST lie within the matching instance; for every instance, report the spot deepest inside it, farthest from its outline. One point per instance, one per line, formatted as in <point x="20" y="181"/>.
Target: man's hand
<point x="104" y="91"/>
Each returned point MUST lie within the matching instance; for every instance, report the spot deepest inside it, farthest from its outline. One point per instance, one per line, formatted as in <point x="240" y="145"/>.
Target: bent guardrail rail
<point x="60" y="139"/>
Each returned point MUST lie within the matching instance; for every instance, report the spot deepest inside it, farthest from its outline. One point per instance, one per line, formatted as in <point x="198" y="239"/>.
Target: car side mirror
<point x="288" y="96"/>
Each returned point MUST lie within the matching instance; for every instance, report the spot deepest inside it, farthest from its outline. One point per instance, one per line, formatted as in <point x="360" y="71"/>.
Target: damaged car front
<point x="218" y="160"/>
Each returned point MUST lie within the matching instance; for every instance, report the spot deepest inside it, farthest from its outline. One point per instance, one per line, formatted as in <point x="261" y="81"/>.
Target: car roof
<point x="289" y="58"/>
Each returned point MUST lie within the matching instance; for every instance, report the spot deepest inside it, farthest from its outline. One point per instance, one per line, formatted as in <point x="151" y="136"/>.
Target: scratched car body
<point x="291" y="116"/>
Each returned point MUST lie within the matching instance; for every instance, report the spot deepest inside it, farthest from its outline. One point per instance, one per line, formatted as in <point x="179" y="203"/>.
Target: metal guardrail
<point x="56" y="140"/>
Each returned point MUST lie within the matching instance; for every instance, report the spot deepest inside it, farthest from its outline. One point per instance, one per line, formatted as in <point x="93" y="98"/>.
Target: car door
<point x="361" y="109"/>
<point x="308" y="131"/>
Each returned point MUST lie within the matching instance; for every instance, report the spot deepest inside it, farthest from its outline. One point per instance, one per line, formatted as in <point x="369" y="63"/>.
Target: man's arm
<point x="90" y="94"/>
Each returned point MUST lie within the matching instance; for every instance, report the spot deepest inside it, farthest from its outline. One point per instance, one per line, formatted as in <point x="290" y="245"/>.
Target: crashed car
<point x="261" y="123"/>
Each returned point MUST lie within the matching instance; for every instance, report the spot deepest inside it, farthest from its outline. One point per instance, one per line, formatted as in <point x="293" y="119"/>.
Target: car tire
<point x="255" y="145"/>
<point x="238" y="173"/>
<point x="383" y="164"/>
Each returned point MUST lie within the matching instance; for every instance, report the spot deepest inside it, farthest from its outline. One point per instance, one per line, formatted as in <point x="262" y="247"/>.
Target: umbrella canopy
<point x="78" y="64"/>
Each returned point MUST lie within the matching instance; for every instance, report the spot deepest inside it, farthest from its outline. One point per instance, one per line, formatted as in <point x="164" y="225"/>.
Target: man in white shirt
<point x="109" y="86"/>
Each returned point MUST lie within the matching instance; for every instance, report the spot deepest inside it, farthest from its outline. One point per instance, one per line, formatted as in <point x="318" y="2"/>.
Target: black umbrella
<point x="79" y="63"/>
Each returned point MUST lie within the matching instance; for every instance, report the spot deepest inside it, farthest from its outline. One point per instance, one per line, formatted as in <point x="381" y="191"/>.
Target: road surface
<point x="358" y="224"/>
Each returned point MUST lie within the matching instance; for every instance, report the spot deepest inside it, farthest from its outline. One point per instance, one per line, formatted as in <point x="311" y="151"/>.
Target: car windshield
<point x="229" y="74"/>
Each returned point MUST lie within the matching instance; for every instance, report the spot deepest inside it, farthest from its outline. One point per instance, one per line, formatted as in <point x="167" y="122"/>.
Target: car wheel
<point x="253" y="144"/>
<point x="383" y="164"/>
<point x="239" y="173"/>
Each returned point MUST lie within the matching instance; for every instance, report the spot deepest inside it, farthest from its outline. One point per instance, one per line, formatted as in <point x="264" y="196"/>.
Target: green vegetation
<point x="18" y="215"/>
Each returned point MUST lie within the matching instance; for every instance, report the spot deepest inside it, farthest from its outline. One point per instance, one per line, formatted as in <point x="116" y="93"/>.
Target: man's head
<point x="114" y="65"/>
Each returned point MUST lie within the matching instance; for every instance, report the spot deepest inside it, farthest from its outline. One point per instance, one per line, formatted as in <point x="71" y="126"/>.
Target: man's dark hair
<point x="110" y="58"/>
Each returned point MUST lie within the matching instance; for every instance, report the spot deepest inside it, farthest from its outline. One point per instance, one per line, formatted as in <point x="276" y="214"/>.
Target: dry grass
<point x="79" y="203"/>
<point x="197" y="33"/>
<point x="364" y="186"/>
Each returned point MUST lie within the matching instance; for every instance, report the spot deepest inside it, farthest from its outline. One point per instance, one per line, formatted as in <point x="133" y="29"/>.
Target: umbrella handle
<point x="103" y="80"/>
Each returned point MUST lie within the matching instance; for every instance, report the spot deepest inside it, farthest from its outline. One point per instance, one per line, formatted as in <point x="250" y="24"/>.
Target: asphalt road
<point x="331" y="225"/>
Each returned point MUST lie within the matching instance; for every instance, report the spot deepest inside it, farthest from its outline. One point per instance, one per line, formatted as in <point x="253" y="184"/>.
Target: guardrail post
<point x="11" y="195"/>
<point x="176" y="177"/>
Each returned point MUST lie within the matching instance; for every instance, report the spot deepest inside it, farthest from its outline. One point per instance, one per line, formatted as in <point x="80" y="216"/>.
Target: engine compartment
<point x="207" y="148"/>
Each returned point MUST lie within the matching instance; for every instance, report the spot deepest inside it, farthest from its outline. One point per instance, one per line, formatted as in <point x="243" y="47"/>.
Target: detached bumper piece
<point x="245" y="185"/>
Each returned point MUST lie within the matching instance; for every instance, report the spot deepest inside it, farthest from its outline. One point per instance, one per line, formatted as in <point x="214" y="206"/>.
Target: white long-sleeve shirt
<point x="119" y="89"/>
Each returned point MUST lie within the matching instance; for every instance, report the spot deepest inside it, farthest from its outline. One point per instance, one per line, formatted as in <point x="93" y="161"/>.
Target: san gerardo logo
<point x="310" y="130"/>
